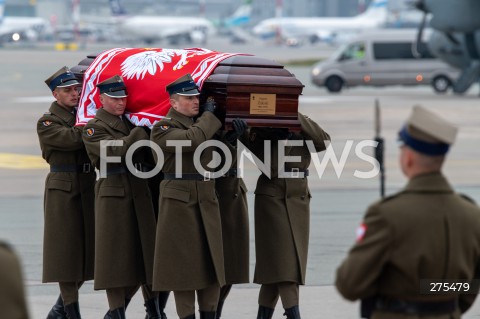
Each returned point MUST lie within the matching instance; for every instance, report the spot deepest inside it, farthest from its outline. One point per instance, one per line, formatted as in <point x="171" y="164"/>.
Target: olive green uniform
<point x="68" y="244"/>
<point x="188" y="250"/>
<point x="282" y="207"/>
<point x="232" y="198"/>
<point x="125" y="221"/>
<point x="12" y="293"/>
<point x="426" y="231"/>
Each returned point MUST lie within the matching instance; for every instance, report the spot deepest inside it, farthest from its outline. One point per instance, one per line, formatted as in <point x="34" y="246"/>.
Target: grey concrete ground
<point x="338" y="201"/>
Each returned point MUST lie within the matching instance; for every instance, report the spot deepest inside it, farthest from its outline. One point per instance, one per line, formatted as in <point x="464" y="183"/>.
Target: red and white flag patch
<point x="361" y="230"/>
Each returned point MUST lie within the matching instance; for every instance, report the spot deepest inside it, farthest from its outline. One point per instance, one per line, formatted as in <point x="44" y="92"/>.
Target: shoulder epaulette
<point x="389" y="197"/>
<point x="467" y="198"/>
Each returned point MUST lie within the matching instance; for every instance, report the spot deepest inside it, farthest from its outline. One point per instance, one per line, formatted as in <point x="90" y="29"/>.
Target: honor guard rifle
<point x="379" y="150"/>
<point x="367" y="305"/>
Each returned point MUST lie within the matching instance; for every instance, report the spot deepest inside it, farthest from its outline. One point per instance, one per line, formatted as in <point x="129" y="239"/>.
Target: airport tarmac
<point x="339" y="198"/>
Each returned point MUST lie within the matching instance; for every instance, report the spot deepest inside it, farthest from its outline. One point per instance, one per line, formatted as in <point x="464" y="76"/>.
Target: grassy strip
<point x="306" y="62"/>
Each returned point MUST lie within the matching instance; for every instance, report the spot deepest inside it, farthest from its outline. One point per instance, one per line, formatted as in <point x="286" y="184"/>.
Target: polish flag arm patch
<point x="361" y="230"/>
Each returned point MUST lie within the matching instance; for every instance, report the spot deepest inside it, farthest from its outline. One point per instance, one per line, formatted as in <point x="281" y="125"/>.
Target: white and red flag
<point x="145" y="72"/>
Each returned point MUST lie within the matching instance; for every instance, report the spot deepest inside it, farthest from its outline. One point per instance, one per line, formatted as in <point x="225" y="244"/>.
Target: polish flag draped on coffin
<point x="146" y="72"/>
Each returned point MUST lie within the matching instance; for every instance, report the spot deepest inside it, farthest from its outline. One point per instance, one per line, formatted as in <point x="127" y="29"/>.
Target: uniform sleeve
<point x="56" y="136"/>
<point x="94" y="134"/>
<point x="203" y="129"/>
<point x="357" y="275"/>
<point x="312" y="131"/>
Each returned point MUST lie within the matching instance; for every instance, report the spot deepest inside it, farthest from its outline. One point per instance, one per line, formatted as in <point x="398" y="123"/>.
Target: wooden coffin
<point x="259" y="90"/>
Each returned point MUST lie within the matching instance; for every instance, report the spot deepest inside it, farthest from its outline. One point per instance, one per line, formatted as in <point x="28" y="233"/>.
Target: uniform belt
<point x="116" y="170"/>
<point x="294" y="172"/>
<point x="186" y="177"/>
<point x="72" y="168"/>
<point x="139" y="167"/>
<point x="232" y="172"/>
<point x="415" y="307"/>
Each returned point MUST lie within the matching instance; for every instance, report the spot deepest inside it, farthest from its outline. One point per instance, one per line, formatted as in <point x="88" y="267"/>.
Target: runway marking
<point x="22" y="161"/>
<point x="34" y="99"/>
<point x="321" y="99"/>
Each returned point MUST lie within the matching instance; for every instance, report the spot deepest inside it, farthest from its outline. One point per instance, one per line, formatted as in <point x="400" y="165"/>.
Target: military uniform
<point x="12" y="293"/>
<point x="282" y="206"/>
<point x="232" y="199"/>
<point x="125" y="222"/>
<point x="424" y="232"/>
<point x="68" y="244"/>
<point x="188" y="250"/>
<point x="124" y="217"/>
<point x="69" y="221"/>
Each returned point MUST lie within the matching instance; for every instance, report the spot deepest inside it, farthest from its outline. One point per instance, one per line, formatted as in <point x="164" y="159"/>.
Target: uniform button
<point x="303" y="197"/>
<point x="235" y="195"/>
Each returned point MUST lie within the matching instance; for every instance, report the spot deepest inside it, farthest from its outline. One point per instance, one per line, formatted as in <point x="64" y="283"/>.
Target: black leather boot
<point x="57" y="311"/>
<point x="219" y="309"/>
<point x="73" y="311"/>
<point x="151" y="307"/>
<point x="162" y="302"/>
<point x="108" y="315"/>
<point x="292" y="313"/>
<point x="265" y="313"/>
<point x="118" y="313"/>
<point x="207" y="314"/>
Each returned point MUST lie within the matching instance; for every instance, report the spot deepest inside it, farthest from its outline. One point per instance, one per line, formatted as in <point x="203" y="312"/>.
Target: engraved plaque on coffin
<point x="258" y="90"/>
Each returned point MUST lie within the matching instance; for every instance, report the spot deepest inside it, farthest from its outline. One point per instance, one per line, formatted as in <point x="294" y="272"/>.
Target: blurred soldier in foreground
<point x="188" y="250"/>
<point x="232" y="198"/>
<point x="282" y="215"/>
<point x="12" y="293"/>
<point x="125" y="221"/>
<point x="68" y="243"/>
<point x="422" y="236"/>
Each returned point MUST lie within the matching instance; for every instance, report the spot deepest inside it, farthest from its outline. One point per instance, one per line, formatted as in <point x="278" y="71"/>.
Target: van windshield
<point x="354" y="51"/>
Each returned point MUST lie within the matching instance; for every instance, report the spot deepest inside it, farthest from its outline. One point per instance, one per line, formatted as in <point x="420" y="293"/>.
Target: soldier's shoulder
<point x="47" y="119"/>
<point x="166" y="123"/>
<point x="467" y="198"/>
<point x="390" y="198"/>
<point x="5" y="246"/>
<point x="386" y="201"/>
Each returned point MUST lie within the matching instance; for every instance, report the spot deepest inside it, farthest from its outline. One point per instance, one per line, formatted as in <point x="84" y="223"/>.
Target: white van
<point x="383" y="57"/>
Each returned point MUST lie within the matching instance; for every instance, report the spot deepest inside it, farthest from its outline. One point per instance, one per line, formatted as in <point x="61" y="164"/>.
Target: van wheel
<point x="441" y="84"/>
<point x="334" y="84"/>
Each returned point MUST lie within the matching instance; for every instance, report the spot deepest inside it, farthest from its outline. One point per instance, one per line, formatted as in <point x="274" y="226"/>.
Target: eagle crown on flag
<point x="146" y="72"/>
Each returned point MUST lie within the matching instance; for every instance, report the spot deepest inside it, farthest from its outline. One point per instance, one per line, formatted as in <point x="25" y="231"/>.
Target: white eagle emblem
<point x="137" y="65"/>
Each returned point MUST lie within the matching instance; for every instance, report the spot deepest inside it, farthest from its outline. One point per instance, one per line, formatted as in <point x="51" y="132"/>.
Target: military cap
<point x="62" y="78"/>
<point x="427" y="133"/>
<point x="113" y="87"/>
<point x="183" y="86"/>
